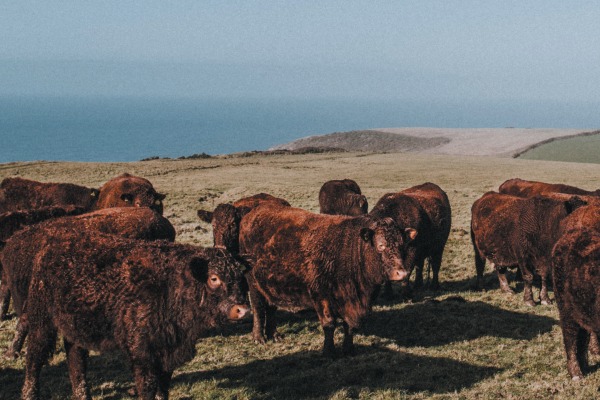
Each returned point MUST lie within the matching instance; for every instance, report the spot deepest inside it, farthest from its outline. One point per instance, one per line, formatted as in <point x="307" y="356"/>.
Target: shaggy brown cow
<point x="522" y="188"/>
<point x="425" y="208"/>
<point x="17" y="194"/>
<point x="225" y="219"/>
<point x="23" y="248"/>
<point x="330" y="263"/>
<point x="342" y="197"/>
<point x="576" y="272"/>
<point x="130" y="191"/>
<point x="150" y="300"/>
<point x="518" y="232"/>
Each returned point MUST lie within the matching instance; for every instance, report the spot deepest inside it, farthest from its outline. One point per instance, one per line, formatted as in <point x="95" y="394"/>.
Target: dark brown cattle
<point x="425" y="208"/>
<point x="18" y="194"/>
<point x="225" y="219"/>
<point x="518" y="232"/>
<point x="130" y="191"/>
<point x="342" y="197"/>
<point x="576" y="278"/>
<point x="150" y="300"/>
<point x="330" y="263"/>
<point x="522" y="188"/>
<point x="22" y="249"/>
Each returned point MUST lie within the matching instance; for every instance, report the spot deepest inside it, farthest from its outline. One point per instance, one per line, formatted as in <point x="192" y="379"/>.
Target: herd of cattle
<point x="100" y="268"/>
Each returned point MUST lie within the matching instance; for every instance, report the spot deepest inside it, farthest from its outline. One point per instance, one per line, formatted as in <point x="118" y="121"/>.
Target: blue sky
<point x="521" y="50"/>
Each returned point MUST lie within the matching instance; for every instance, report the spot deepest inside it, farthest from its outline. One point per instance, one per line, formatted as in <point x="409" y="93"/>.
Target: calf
<point x="427" y="209"/>
<point x="518" y="232"/>
<point x="329" y="263"/>
<point x="150" y="300"/>
<point x="22" y="249"/>
<point x="225" y="219"/>
<point x="522" y="188"/>
<point x="342" y="197"/>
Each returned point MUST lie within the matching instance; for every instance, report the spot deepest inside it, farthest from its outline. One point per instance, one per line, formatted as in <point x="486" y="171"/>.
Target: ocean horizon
<point x="104" y="129"/>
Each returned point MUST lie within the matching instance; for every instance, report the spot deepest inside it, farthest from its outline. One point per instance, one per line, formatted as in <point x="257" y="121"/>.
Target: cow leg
<point x="77" y="362"/>
<point x="328" y="323"/>
<point x="348" y="345"/>
<point x="594" y="344"/>
<point x="544" y="298"/>
<point x="146" y="380"/>
<point x="419" y="272"/>
<point x="501" y="272"/>
<point x="20" y="334"/>
<point x="479" y="268"/>
<point x="164" y="383"/>
<point x="4" y="300"/>
<point x="436" y="262"/>
<point x="576" y="341"/>
<point x="271" y="324"/>
<point x="41" y="345"/>
<point x="527" y="288"/>
<point x="259" y="311"/>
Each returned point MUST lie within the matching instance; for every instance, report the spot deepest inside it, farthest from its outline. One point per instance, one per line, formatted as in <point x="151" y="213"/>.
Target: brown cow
<point x="225" y="219"/>
<point x="17" y="194"/>
<point x="330" y="263"/>
<point x="22" y="249"/>
<point x="522" y="188"/>
<point x="130" y="191"/>
<point x="518" y="232"/>
<point x="425" y="208"/>
<point x="150" y="300"/>
<point x="342" y="197"/>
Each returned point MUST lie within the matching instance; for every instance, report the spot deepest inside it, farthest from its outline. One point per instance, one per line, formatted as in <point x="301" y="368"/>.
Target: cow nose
<point x="397" y="274"/>
<point x="238" y="312"/>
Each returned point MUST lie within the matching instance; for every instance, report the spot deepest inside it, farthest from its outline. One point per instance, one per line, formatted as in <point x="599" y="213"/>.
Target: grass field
<point x="578" y="149"/>
<point x="454" y="344"/>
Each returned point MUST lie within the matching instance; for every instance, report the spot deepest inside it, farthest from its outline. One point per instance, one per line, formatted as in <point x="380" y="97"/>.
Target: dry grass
<point x="455" y="344"/>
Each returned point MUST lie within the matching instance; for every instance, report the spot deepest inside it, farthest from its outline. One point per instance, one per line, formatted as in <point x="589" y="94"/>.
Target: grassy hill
<point x="454" y="344"/>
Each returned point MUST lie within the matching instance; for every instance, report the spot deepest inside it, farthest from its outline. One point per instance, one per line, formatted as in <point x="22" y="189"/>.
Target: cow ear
<point x="367" y="234"/>
<point x="410" y="234"/>
<point x="94" y="193"/>
<point x="205" y="216"/>
<point x="199" y="268"/>
<point x="126" y="197"/>
<point x="160" y="196"/>
<point x="574" y="203"/>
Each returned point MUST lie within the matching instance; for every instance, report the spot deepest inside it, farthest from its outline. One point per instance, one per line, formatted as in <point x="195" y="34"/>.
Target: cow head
<point x="226" y="227"/>
<point x="357" y="205"/>
<point x="389" y="241"/>
<point x="130" y="191"/>
<point x="223" y="280"/>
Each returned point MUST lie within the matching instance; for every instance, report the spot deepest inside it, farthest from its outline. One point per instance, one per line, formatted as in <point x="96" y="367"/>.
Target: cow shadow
<point x="435" y="323"/>
<point x="108" y="377"/>
<point x="308" y="374"/>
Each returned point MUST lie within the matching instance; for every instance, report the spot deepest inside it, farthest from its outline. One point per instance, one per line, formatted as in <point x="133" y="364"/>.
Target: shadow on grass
<point x="436" y="323"/>
<point x="308" y="374"/>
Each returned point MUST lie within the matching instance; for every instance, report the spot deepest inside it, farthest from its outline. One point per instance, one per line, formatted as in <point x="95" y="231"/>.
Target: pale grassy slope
<point x="455" y="344"/>
<point x="498" y="142"/>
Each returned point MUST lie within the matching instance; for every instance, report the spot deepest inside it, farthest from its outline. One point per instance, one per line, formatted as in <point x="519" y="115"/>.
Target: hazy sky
<point x="528" y="50"/>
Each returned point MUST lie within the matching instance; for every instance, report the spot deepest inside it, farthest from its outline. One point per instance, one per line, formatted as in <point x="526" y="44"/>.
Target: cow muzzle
<point x="397" y="274"/>
<point x="238" y="312"/>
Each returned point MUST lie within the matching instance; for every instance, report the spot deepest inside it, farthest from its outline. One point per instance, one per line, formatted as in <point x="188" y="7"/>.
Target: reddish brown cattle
<point x="150" y="300"/>
<point x="425" y="208"/>
<point x="23" y="248"/>
<point x="518" y="232"/>
<point x="130" y="191"/>
<point x="17" y="194"/>
<point x="225" y="219"/>
<point x="522" y="188"/>
<point x="342" y="197"/>
<point x="330" y="263"/>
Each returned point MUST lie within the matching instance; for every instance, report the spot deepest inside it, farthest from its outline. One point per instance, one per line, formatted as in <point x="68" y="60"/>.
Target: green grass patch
<point x="582" y="149"/>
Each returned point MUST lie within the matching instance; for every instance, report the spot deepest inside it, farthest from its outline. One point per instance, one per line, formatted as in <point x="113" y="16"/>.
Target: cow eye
<point x="214" y="281"/>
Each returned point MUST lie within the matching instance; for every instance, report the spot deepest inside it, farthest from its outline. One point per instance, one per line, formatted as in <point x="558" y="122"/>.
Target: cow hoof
<point x="546" y="302"/>
<point x="276" y="337"/>
<point x="530" y="303"/>
<point x="6" y="317"/>
<point x="259" y="339"/>
<point x="577" y="378"/>
<point x="132" y="392"/>
<point x="11" y="355"/>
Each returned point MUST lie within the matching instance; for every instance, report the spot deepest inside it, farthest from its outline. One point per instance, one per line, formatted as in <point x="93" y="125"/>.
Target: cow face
<point x="226" y="227"/>
<point x="358" y="205"/>
<point x="224" y="281"/>
<point x="130" y="191"/>
<point x="390" y="242"/>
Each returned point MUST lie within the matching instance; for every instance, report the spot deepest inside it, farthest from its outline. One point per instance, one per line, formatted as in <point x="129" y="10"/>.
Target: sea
<point x="132" y="128"/>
